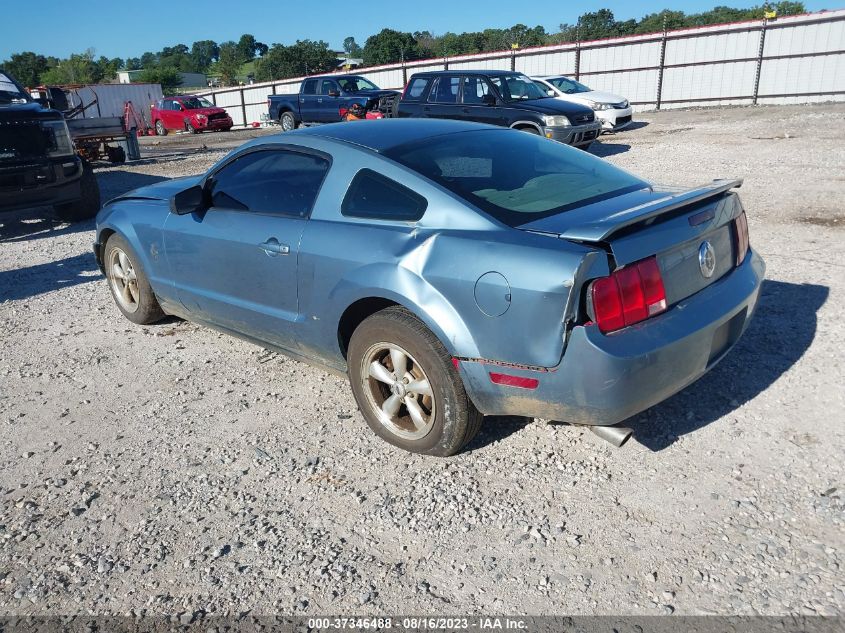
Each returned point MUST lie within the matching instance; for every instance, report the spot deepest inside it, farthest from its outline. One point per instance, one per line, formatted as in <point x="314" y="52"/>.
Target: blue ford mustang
<point x="451" y="269"/>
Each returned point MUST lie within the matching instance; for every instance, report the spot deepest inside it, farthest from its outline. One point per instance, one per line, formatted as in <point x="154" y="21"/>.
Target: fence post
<point x="404" y="74"/>
<point x="662" y="63"/>
<point x="759" y="60"/>
<point x="445" y="63"/>
<point x="513" y="58"/>
<point x="243" y="106"/>
<point x="214" y="98"/>
<point x="578" y="51"/>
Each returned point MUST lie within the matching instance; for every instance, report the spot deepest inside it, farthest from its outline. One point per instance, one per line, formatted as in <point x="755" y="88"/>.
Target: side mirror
<point x="550" y="92"/>
<point x="191" y="200"/>
<point x="488" y="100"/>
<point x="334" y="93"/>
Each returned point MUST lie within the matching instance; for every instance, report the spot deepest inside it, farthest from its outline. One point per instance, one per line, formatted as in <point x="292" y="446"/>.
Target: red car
<point x="189" y="113"/>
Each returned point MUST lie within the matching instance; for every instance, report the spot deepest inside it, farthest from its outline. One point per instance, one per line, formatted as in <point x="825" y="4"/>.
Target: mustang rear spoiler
<point x="599" y="230"/>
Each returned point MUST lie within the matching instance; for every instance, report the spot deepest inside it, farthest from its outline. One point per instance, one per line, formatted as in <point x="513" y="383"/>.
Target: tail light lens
<point x="741" y="231"/>
<point x="630" y="295"/>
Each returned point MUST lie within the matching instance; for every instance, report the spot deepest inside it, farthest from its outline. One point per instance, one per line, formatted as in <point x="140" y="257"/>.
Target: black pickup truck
<point x="505" y="98"/>
<point x="38" y="163"/>
<point x="327" y="100"/>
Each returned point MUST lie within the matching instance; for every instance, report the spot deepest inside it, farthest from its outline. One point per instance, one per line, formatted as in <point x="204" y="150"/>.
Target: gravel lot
<point x="174" y="470"/>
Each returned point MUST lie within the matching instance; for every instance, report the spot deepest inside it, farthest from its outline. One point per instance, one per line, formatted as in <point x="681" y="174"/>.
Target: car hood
<point x="27" y="111"/>
<point x="206" y="111"/>
<point x="161" y="190"/>
<point x="374" y="93"/>
<point x="595" y="95"/>
<point x="551" y="106"/>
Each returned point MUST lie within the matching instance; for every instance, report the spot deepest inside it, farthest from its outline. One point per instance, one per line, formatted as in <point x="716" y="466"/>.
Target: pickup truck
<point x="327" y="100"/>
<point x="39" y="165"/>
<point x="505" y="98"/>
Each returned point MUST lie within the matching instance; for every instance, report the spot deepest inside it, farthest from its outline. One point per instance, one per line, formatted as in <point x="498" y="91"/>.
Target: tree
<point x="149" y="60"/>
<point x="229" y="63"/>
<point x="133" y="63"/>
<point x="352" y="48"/>
<point x="389" y="46"/>
<point x="203" y="53"/>
<point x="105" y="69"/>
<point x="26" y="67"/>
<point x="247" y="47"/>
<point x="167" y="76"/>
<point x="305" y="57"/>
<point x="79" y="68"/>
<point x="597" y="25"/>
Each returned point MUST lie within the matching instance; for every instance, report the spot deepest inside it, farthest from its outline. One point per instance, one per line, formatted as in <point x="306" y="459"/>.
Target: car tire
<point x="189" y="127"/>
<point x="160" y="129"/>
<point x="89" y="202"/>
<point x="439" y="419"/>
<point x="128" y="283"/>
<point x="287" y="121"/>
<point x="117" y="155"/>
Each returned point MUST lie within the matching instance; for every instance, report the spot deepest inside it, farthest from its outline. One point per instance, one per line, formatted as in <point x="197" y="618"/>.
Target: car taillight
<point x="630" y="295"/>
<point x="741" y="231"/>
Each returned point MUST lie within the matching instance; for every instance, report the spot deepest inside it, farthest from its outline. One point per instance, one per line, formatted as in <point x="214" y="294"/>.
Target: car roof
<point x="385" y="134"/>
<point x="459" y="71"/>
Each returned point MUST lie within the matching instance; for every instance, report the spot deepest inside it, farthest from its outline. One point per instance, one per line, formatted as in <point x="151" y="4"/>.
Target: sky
<point x="128" y="29"/>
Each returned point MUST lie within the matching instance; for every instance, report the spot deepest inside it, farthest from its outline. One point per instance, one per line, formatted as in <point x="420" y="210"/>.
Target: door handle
<point x="320" y="100"/>
<point x="272" y="248"/>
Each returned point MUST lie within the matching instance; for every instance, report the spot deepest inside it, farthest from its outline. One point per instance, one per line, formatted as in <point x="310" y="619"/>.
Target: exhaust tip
<point x="616" y="435"/>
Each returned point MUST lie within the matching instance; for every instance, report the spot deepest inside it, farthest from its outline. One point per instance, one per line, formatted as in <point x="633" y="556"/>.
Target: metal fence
<point x="796" y="59"/>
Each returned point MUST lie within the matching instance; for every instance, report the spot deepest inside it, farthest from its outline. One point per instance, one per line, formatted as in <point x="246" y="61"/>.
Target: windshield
<point x="568" y="86"/>
<point x="195" y="103"/>
<point x="517" y="88"/>
<point x="354" y="84"/>
<point x="513" y="176"/>
<point x="9" y="91"/>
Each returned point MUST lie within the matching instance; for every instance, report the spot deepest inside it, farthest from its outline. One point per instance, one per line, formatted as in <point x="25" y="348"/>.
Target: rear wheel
<point x="287" y="121"/>
<point x="89" y="202"/>
<point x="128" y="283"/>
<point x="407" y="387"/>
<point x="160" y="129"/>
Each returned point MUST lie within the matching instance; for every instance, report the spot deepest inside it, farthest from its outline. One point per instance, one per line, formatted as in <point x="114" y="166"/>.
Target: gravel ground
<point x="174" y="470"/>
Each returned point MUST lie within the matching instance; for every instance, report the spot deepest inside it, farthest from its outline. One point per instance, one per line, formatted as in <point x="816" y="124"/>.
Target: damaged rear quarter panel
<point x="431" y="267"/>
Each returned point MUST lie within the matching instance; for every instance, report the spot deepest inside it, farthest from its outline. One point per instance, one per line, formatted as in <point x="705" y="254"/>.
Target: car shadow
<point x="604" y="149"/>
<point x="781" y="330"/>
<point x="761" y="356"/>
<point x="635" y="125"/>
<point x="31" y="281"/>
<point x="36" y="224"/>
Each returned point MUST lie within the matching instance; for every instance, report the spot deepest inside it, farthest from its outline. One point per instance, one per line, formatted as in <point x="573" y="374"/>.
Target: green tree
<point x="167" y="76"/>
<point x="133" y="63"/>
<point x="246" y="47"/>
<point x="79" y="68"/>
<point x="653" y="22"/>
<point x="352" y="48"/>
<point x="229" y="63"/>
<point x="26" y="67"/>
<point x="105" y="69"/>
<point x="203" y="53"/>
<point x="389" y="46"/>
<point x="305" y="57"/>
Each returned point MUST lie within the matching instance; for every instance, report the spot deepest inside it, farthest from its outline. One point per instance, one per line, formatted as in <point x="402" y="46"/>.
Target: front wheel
<point x="406" y="386"/>
<point x="128" y="283"/>
<point x="160" y="129"/>
<point x="287" y="121"/>
<point x="89" y="200"/>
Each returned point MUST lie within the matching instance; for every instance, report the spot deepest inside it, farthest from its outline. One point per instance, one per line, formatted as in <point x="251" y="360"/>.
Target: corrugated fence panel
<point x="712" y="65"/>
<point x="806" y="38"/>
<point x="556" y="63"/>
<point x="640" y="86"/>
<point x="803" y="75"/>
<point x="709" y="82"/>
<point x="718" y="46"/>
<point x="638" y="55"/>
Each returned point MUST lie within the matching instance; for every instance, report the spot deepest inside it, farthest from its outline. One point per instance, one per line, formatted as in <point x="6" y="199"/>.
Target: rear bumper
<point x="576" y="135"/>
<point x="604" y="379"/>
<point x="40" y="184"/>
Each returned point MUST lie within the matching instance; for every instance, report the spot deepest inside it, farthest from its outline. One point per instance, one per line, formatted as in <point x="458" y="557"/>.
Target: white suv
<point x="613" y="111"/>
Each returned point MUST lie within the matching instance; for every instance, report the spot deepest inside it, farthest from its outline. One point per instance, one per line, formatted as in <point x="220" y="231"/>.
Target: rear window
<point x="374" y="196"/>
<point x="515" y="177"/>
<point x="309" y="87"/>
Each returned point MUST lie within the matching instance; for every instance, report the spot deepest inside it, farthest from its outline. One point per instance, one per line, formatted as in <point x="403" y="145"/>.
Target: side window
<point x="416" y="88"/>
<point x="543" y="87"/>
<point x="309" y="87"/>
<point x="374" y="196"/>
<point x="276" y="182"/>
<point x="446" y="90"/>
<point x="327" y="86"/>
<point x="474" y="89"/>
